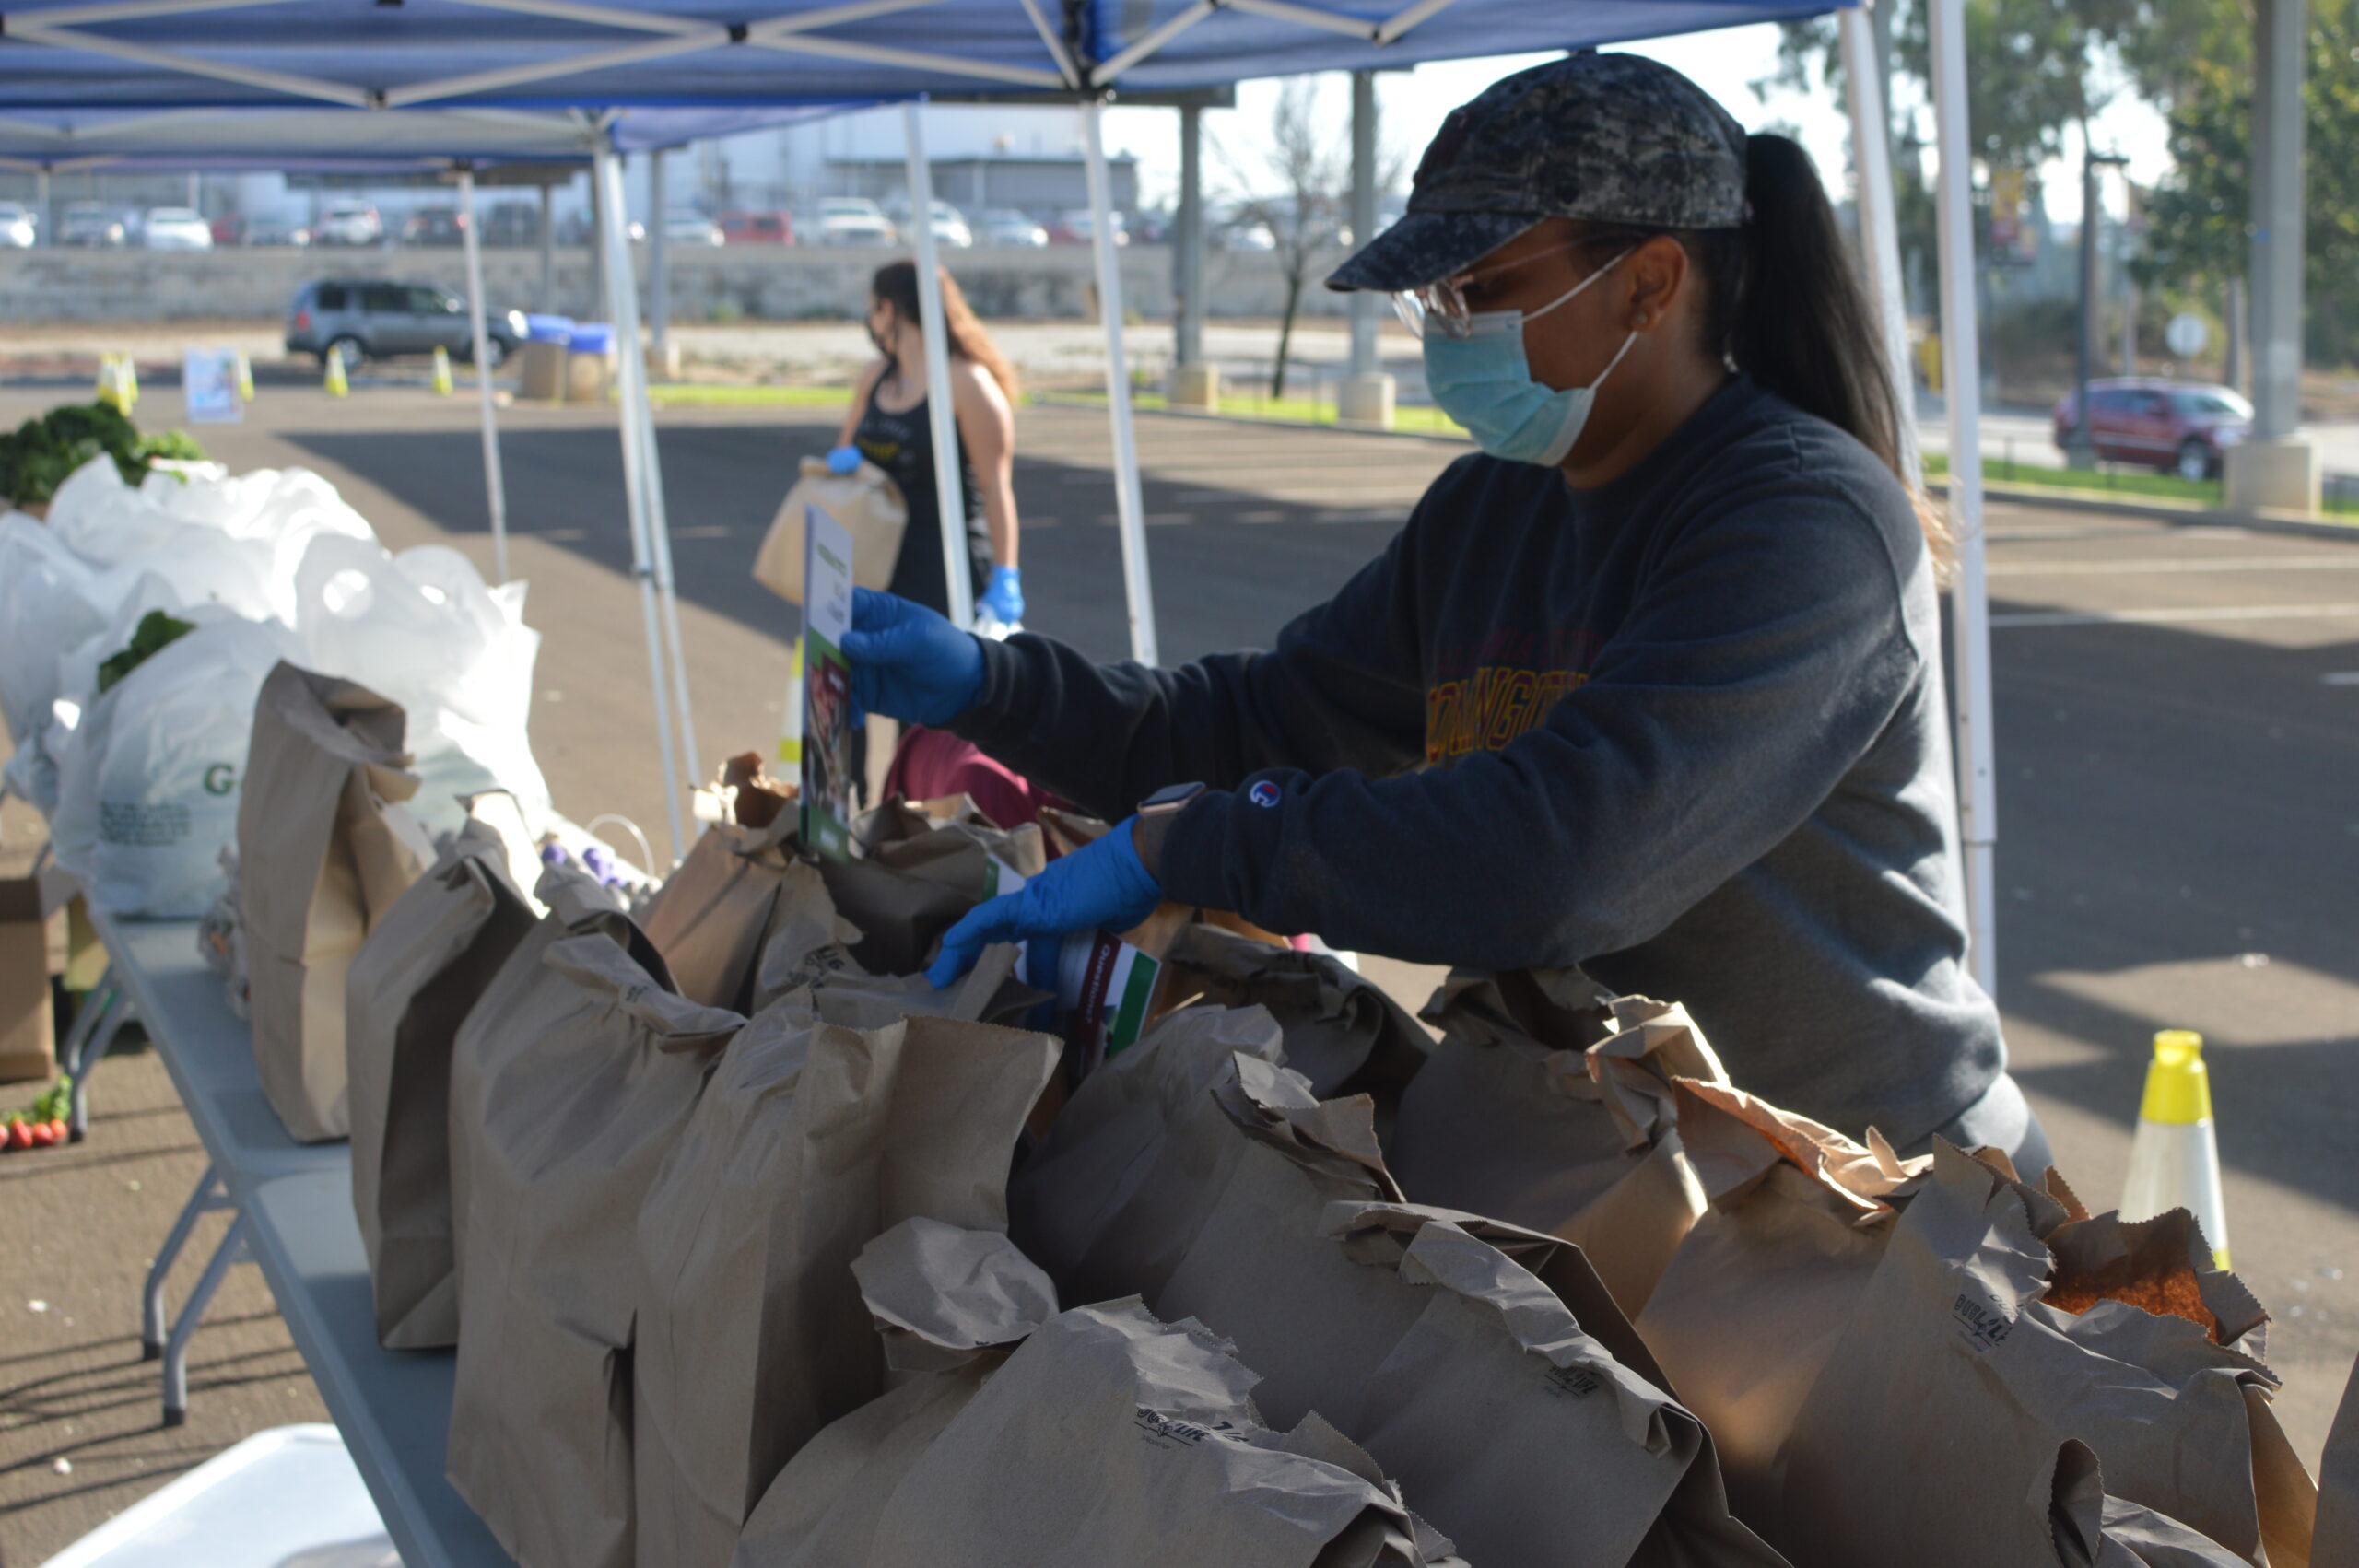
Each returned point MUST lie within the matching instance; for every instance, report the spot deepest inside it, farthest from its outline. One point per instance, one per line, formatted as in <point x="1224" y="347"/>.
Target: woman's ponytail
<point x="1798" y="320"/>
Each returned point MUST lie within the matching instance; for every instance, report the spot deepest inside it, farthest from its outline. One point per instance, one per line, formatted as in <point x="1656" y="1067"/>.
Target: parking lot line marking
<point x="2341" y="678"/>
<point x="2188" y="612"/>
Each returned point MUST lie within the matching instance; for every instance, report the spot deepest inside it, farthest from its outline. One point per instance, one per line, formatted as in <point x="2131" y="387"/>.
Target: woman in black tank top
<point x="891" y="426"/>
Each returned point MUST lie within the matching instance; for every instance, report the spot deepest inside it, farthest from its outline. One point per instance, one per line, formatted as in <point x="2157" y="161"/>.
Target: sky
<point x="1411" y="107"/>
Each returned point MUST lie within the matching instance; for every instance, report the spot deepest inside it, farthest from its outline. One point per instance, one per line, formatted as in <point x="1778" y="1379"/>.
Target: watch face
<point x="1171" y="795"/>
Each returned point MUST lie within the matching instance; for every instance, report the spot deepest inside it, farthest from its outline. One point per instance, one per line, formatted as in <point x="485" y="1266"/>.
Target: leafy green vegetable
<point x="39" y="455"/>
<point x="157" y="631"/>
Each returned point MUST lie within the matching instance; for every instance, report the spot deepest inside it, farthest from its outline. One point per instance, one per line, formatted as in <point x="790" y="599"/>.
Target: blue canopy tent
<point x="402" y="55"/>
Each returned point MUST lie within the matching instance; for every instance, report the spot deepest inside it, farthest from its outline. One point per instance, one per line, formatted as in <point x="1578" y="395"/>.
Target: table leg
<point x="95" y="1003"/>
<point x="118" y="1012"/>
<point x="232" y="1250"/>
<point x="210" y="1194"/>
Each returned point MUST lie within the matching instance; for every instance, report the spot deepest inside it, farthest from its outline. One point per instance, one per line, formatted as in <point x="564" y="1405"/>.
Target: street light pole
<point x="2083" y="453"/>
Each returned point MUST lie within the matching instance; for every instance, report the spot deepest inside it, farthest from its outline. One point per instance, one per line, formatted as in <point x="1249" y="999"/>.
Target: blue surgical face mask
<point x="1483" y="381"/>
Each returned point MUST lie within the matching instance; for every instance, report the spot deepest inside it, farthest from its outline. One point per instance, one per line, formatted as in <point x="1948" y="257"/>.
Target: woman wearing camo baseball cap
<point x="1650" y="685"/>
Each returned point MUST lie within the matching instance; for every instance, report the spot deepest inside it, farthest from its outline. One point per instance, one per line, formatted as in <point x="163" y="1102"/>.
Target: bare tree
<point x="1307" y="175"/>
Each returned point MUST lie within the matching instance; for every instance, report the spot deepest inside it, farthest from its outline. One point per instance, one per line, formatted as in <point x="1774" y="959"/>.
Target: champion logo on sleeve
<point x="1263" y="793"/>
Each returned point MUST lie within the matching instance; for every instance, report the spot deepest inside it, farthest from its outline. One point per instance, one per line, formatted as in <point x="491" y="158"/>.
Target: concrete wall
<point x="792" y="283"/>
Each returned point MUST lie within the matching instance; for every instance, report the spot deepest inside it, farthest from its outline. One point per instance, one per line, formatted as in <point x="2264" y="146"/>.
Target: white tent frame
<point x="803" y="33"/>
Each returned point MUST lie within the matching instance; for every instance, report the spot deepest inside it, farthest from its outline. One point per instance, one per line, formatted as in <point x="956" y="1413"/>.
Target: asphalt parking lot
<point x="2178" y="712"/>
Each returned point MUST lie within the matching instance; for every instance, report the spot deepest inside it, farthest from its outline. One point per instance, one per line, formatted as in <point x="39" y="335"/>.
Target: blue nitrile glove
<point x="910" y="663"/>
<point x="1003" y="599"/>
<point x="1101" y="886"/>
<point x="843" y="460"/>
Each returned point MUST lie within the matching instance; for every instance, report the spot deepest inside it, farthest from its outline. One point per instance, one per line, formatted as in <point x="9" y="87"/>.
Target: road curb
<point x="1060" y="400"/>
<point x="2163" y="512"/>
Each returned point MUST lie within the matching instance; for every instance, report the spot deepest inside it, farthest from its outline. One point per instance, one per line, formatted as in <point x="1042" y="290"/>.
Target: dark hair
<point x="1787" y="307"/>
<point x="896" y="283"/>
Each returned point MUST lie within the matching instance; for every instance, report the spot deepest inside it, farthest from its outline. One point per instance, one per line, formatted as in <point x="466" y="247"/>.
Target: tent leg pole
<point x="495" y="486"/>
<point x="1129" y="507"/>
<point x="942" y="416"/>
<point x="1962" y="381"/>
<point x="615" y="251"/>
<point x="659" y="260"/>
<point x="1879" y="228"/>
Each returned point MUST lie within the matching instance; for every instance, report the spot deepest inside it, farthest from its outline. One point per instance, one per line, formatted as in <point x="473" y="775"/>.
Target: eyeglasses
<point x="1440" y="308"/>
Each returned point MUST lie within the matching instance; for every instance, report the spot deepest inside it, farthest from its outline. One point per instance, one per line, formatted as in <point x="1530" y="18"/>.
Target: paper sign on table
<point x="209" y="382"/>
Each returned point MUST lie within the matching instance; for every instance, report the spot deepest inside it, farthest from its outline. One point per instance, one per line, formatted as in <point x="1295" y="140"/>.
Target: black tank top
<point x="902" y="445"/>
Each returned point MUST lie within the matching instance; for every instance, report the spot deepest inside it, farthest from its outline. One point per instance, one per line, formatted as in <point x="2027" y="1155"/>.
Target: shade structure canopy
<point x="710" y="54"/>
<point x="322" y="139"/>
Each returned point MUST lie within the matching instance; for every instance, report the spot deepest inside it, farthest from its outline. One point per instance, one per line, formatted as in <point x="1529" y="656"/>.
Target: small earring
<point x="1638" y="321"/>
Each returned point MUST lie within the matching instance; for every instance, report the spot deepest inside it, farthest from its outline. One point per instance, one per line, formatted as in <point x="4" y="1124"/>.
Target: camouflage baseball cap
<point x="1613" y="138"/>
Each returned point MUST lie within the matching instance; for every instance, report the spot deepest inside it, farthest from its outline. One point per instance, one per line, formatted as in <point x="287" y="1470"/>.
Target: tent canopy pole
<point x="1130" y="508"/>
<point x="494" y="487"/>
<point x="1970" y="595"/>
<point x="1879" y="226"/>
<point x="942" y="415"/>
<point x="606" y="181"/>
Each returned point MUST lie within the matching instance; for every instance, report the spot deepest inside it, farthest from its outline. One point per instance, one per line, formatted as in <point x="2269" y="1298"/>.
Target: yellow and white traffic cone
<point x="245" y="377"/>
<point x="442" y="371"/>
<point x="130" y="374"/>
<point x="110" y="383"/>
<point x="336" y="383"/>
<point x="2174" y="1158"/>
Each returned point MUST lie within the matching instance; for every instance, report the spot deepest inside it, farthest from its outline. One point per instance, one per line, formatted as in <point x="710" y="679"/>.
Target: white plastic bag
<point x="422" y="629"/>
<point x="149" y="773"/>
<point x="46" y="609"/>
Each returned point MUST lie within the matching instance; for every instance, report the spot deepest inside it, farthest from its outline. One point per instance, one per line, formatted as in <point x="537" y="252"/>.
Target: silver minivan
<point x="374" y="318"/>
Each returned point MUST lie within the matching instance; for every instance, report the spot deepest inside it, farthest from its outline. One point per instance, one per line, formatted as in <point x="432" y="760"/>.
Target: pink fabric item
<point x="930" y="763"/>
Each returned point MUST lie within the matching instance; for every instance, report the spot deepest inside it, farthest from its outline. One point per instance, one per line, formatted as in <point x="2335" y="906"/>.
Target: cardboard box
<point x="33" y="948"/>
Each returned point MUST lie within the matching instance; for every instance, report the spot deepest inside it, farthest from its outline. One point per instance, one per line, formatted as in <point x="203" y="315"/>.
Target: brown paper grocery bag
<point x="813" y="1140"/>
<point x="1109" y="1438"/>
<point x="587" y="1086"/>
<point x="1108" y="1200"/>
<point x="854" y="999"/>
<point x="1578" y="1143"/>
<point x="323" y="850"/>
<point x="1756" y="1297"/>
<point x="2337" y="1540"/>
<point x="413" y="983"/>
<point x="919" y="874"/>
<point x="1965" y="1408"/>
<point x="1474" y="1396"/>
<point x="1341" y="1032"/>
<point x="715" y="912"/>
<point x="866" y="502"/>
<point x="949" y="1304"/>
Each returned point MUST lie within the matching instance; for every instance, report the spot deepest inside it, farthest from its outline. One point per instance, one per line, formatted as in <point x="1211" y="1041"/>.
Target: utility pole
<point x="2273" y="466"/>
<point x="1365" y="396"/>
<point x="2083" y="452"/>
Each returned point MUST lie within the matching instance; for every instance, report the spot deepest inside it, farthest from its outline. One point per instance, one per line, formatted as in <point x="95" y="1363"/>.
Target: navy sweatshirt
<point x="1685" y="730"/>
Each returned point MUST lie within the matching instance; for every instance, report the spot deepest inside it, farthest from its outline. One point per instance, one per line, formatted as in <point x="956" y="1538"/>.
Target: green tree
<point x="2198" y="232"/>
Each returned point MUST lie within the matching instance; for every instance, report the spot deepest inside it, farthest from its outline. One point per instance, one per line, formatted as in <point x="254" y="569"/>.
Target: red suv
<point x="2181" y="428"/>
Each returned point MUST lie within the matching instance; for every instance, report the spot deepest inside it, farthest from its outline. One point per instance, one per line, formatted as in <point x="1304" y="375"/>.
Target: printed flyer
<point x="827" y="687"/>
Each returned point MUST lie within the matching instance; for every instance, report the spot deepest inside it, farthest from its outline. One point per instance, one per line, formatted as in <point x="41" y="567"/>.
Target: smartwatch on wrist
<point x="1169" y="800"/>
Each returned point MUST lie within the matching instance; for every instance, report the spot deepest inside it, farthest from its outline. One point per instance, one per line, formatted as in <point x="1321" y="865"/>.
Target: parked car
<point x="175" y="228"/>
<point x="274" y="229"/>
<point x="359" y="319"/>
<point x="745" y="228"/>
<point x="437" y="227"/>
<point x="853" y="220"/>
<point x="349" y="223"/>
<point x="695" y="228"/>
<point x="1075" y="228"/>
<point x="91" y="223"/>
<point x="18" y="228"/>
<point x="2182" y="427"/>
<point x="950" y="226"/>
<point x="1008" y="227"/>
